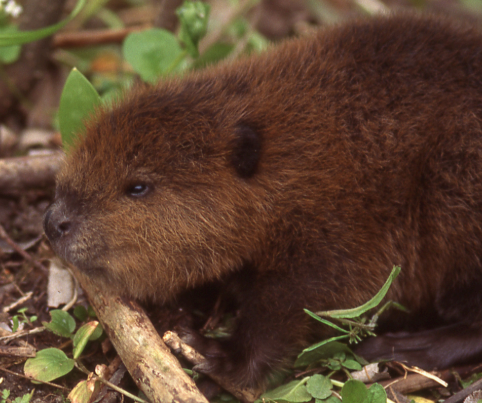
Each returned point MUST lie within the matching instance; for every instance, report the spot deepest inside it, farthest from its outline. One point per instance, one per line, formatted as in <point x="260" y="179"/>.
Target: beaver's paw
<point x="221" y="358"/>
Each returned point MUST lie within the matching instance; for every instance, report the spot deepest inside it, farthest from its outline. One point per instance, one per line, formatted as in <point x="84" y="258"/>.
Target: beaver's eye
<point x="138" y="190"/>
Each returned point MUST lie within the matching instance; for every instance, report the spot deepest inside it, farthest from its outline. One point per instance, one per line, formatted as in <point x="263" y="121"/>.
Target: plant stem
<point x="176" y="62"/>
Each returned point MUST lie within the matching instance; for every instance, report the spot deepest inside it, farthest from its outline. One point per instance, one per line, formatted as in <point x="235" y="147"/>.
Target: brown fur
<point x="298" y="178"/>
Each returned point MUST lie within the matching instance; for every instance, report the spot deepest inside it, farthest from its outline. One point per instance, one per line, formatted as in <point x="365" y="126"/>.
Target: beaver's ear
<point x="246" y="151"/>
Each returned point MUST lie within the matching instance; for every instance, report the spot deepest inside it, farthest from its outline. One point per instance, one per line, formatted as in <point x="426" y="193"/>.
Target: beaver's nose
<point x="56" y="223"/>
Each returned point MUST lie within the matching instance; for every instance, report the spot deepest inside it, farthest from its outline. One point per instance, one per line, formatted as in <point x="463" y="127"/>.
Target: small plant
<point x="24" y="399"/>
<point x="336" y="356"/>
<point x="22" y="318"/>
<point x="157" y="52"/>
<point x="152" y="53"/>
<point x="52" y="363"/>
<point x="320" y="387"/>
<point x="357" y="328"/>
<point x="79" y="99"/>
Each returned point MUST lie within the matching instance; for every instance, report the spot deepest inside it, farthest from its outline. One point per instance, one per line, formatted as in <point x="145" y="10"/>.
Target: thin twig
<point x="19" y="250"/>
<point x="18" y="302"/>
<point x="32" y="379"/>
<point x="17" y="335"/>
<point x="425" y="374"/>
<point x="92" y="37"/>
<point x="460" y="396"/>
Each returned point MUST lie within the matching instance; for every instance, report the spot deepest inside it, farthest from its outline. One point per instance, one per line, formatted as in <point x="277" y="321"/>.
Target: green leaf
<point x="376" y="394"/>
<point x="80" y="313"/>
<point x="62" y="323"/>
<point x="84" y="390"/>
<point x="49" y="364"/>
<point x="82" y="337"/>
<point x="294" y="391"/>
<point x="334" y="365"/>
<point x="152" y="53"/>
<point x="331" y="399"/>
<point x="78" y="100"/>
<point x="9" y="54"/>
<point x="470" y="380"/>
<point x="340" y="355"/>
<point x="21" y="37"/>
<point x="360" y="360"/>
<point x="354" y="392"/>
<point x="97" y="332"/>
<point x="319" y="386"/>
<point x="15" y="323"/>
<point x="322" y="343"/>
<point x="326" y="322"/>
<point x="321" y="352"/>
<point x="213" y="54"/>
<point x="352" y="365"/>
<point x="356" y="312"/>
<point x="193" y="16"/>
<point x="25" y="398"/>
<point x="258" y="42"/>
<point x="91" y="312"/>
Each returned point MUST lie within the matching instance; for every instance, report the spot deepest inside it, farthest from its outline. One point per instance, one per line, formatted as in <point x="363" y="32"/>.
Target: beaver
<point x="297" y="179"/>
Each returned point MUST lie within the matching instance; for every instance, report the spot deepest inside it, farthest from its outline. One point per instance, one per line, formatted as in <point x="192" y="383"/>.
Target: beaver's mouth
<point x="88" y="260"/>
<point x="84" y="262"/>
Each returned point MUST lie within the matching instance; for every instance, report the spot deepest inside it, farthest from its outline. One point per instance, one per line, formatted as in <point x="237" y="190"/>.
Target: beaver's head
<point x="161" y="193"/>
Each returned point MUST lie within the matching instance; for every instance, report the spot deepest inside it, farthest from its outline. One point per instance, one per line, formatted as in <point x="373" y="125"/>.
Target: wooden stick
<point x="149" y="361"/>
<point x="79" y="39"/>
<point x="34" y="172"/>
